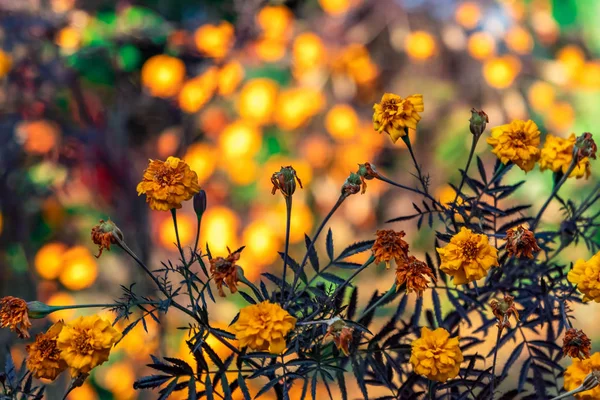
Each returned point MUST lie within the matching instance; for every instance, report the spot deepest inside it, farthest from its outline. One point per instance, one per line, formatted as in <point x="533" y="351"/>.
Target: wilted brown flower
<point x="576" y="344"/>
<point x="104" y="234"/>
<point x="285" y="180"/>
<point x="585" y="147"/>
<point x="13" y="314"/>
<point x="366" y="172"/>
<point x="520" y="242"/>
<point x="352" y="185"/>
<point x="503" y="310"/>
<point x="225" y="270"/>
<point x="414" y="273"/>
<point x="342" y="335"/>
<point x="388" y="245"/>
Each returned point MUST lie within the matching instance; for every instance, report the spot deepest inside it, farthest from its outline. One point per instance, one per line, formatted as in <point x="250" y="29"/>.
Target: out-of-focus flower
<point x="38" y="137"/>
<point x="420" y="45"/>
<point x="586" y="275"/>
<point x="48" y="260"/>
<point x="541" y="96"/>
<point x="576" y="344"/>
<point x="577" y="372"/>
<point x="390" y="245"/>
<point x="296" y="106"/>
<point x="342" y="335"/>
<point x="163" y="75"/>
<point x="43" y="355"/>
<point x="5" y="63"/>
<point x="468" y="14"/>
<point x="263" y="327"/>
<point x="196" y="92"/>
<point x="413" y="273"/>
<point x="436" y="355"/>
<point x="285" y="181"/>
<point x="104" y="234"/>
<point x="214" y="40"/>
<point x="336" y="7"/>
<point x="520" y="242"/>
<point x="167" y="184"/>
<point x="229" y="77"/>
<point x="68" y="39"/>
<point x="341" y="122"/>
<point x="275" y="21"/>
<point x="468" y="256"/>
<point x="560" y="116"/>
<point x="14" y="315"/>
<point x="308" y="52"/>
<point x="572" y="59"/>
<point x="394" y="114"/>
<point x="585" y="147"/>
<point x="481" y="45"/>
<point x="202" y="159"/>
<point x="500" y="72"/>
<point x="517" y="142"/>
<point x="270" y="50"/>
<point x="519" y="40"/>
<point x="478" y="122"/>
<point x="257" y="100"/>
<point x="355" y="62"/>
<point x="86" y="343"/>
<point x="225" y="270"/>
<point x="185" y="227"/>
<point x="503" y="310"/>
<point x="240" y="139"/>
<point x="79" y="270"/>
<point x="557" y="155"/>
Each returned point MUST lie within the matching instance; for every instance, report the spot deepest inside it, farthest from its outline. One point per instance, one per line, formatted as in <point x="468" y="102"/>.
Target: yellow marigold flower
<point x="576" y="373"/>
<point x="166" y="184"/>
<point x="557" y="154"/>
<point x="393" y="114"/>
<point x="468" y="256"/>
<point x="586" y="275"/>
<point x="436" y="355"/>
<point x="86" y="343"/>
<point x="43" y="355"/>
<point x="263" y="327"/>
<point x="517" y="142"/>
<point x="13" y="314"/>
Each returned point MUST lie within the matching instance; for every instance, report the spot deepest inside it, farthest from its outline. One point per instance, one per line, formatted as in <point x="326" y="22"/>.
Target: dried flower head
<point x="285" y="181"/>
<point x="394" y="114"/>
<point x="225" y="270"/>
<point x="520" y="242"/>
<point x="342" y="335"/>
<point x="557" y="154"/>
<point x="503" y="310"/>
<point x="517" y="142"/>
<point x="585" y="147"/>
<point x="104" y="234"/>
<point x="390" y="245"/>
<point x="576" y="344"/>
<point x="586" y="275"/>
<point x="263" y="327"/>
<point x="352" y="185"/>
<point x="14" y="315"/>
<point x="468" y="256"/>
<point x="414" y="273"/>
<point x="584" y="373"/>
<point x="366" y="172"/>
<point x="43" y="355"/>
<point x="167" y="184"/>
<point x="478" y="122"/>
<point x="435" y="355"/>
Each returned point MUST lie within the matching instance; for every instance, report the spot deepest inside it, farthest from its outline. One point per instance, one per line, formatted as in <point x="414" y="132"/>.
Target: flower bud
<point x="366" y="172"/>
<point x="352" y="185"/>
<point x="478" y="121"/>
<point x="285" y="180"/>
<point x="585" y="147"/>
<point x="38" y="310"/>
<point x="200" y="203"/>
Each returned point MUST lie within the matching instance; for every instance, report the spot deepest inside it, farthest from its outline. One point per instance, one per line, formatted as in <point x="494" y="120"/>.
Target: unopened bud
<point x="478" y="121"/>
<point x="285" y="181"/>
<point x="38" y="310"/>
<point x="200" y="203"/>
<point x="352" y="185"/>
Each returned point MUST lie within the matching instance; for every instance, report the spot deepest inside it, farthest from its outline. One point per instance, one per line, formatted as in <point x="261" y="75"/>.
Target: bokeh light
<point x="341" y="122"/>
<point x="186" y="226"/>
<point x="420" y="45"/>
<point x="214" y="40"/>
<point x="49" y="260"/>
<point x="481" y="45"/>
<point x="202" y="159"/>
<point x="79" y="268"/>
<point x="257" y="100"/>
<point x="240" y="139"/>
<point x="163" y="75"/>
<point x="61" y="299"/>
<point x="220" y="227"/>
<point x="500" y="72"/>
<point x="468" y="14"/>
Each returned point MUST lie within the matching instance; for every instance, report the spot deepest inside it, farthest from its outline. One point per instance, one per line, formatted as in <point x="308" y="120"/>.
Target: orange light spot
<point x="275" y="21"/>
<point x="84" y="392"/>
<point x="519" y="40"/>
<point x="214" y="40"/>
<point x="481" y="45"/>
<point x="202" y="159"/>
<point x="5" y="63"/>
<point x="257" y="100"/>
<point x="68" y="39"/>
<point x="317" y="150"/>
<point x="80" y="270"/>
<point x="48" y="260"/>
<point x="61" y="299"/>
<point x="219" y="228"/>
<point x="38" y="137"/>
<point x="163" y="75"/>
<point x="230" y="76"/>
<point x="243" y="171"/>
<point x="541" y="96"/>
<point x="270" y="50"/>
<point x="468" y="14"/>
<point x="196" y="92"/>
<point x="336" y="7"/>
<point x="420" y="45"/>
<point x="341" y="122"/>
<point x="186" y="226"/>
<point x="572" y="58"/>
<point x="308" y="51"/>
<point x="561" y="116"/>
<point x="296" y="106"/>
<point x="500" y="72"/>
<point x="240" y="139"/>
<point x="168" y="142"/>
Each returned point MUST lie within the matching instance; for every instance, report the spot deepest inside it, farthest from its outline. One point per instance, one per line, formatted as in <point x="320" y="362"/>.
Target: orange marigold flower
<point x="13" y="314"/>
<point x="576" y="344"/>
<point x="557" y="154"/>
<point x="43" y="355"/>
<point x="414" y="273"/>
<point x="394" y="114"/>
<point x="520" y="242"/>
<point x="576" y="374"/>
<point x="517" y="142"/>
<point x="342" y="335"/>
<point x="586" y="275"/>
<point x="167" y="184"/>
<point x="104" y="234"/>
<point x="224" y="270"/>
<point x="503" y="310"/>
<point x="468" y="256"/>
<point x="285" y="180"/>
<point x="435" y="355"/>
<point x="389" y="244"/>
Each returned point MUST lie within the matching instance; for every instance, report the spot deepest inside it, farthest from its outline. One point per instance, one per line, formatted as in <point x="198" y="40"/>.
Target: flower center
<point x="81" y="342"/>
<point x="470" y="250"/>
<point x="394" y="107"/>
<point x="164" y="177"/>
<point x="48" y="349"/>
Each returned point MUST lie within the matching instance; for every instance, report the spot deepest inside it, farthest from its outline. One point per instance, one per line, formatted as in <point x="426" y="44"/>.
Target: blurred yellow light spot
<point x="219" y="228"/>
<point x="49" y="260"/>
<point x="257" y="100"/>
<point x="296" y="106"/>
<point x="118" y="378"/>
<point x="79" y="268"/>
<point x="84" y="392"/>
<point x="308" y="51"/>
<point x="317" y="150"/>
<point x="163" y="75"/>
<point x="572" y="58"/>
<point x="589" y="76"/>
<point x="335" y="7"/>
<point x="214" y="40"/>
<point x="261" y="242"/>
<point x="68" y="39"/>
<point x="5" y="63"/>
<point x="541" y="96"/>
<point x="560" y="116"/>
<point x="500" y="72"/>
<point x="202" y="159"/>
<point x="468" y="14"/>
<point x="341" y="121"/>
<point x="230" y="76"/>
<point x="187" y="229"/>
<point x="196" y="92"/>
<point x="519" y="40"/>
<point x="243" y="171"/>
<point x="355" y="61"/>
<point x="38" y="137"/>
<point x="275" y="21"/>
<point x="270" y="50"/>
<point x="168" y="142"/>
<point x="240" y="139"/>
<point x="420" y="45"/>
<point x="481" y="45"/>
<point x="61" y="299"/>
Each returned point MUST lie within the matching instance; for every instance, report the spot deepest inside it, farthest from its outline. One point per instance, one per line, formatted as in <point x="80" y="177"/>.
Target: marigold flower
<point x="557" y="155"/>
<point x="285" y="180"/>
<point x="394" y="114"/>
<point x="86" y="343"/>
<point x="13" y="314"/>
<point x="577" y="372"/>
<point x="586" y="275"/>
<point x="43" y="355"/>
<point x="389" y="244"/>
<point x="414" y="273"/>
<point x="520" y="242"/>
<point x="167" y="184"/>
<point x="517" y="142"/>
<point x="342" y="335"/>
<point x="468" y="256"/>
<point x="503" y="310"/>
<point x="104" y="234"/>
<point x="435" y="355"/>
<point x="263" y="327"/>
<point x="224" y="270"/>
<point x="576" y="344"/>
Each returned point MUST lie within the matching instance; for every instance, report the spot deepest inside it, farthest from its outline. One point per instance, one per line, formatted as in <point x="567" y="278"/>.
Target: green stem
<point x="464" y="175"/>
<point x="185" y="266"/>
<point x="174" y="214"/>
<point x="406" y="140"/>
<point x="386" y="296"/>
<point x="288" y="207"/>
<point x="197" y="237"/>
<point x="554" y="192"/>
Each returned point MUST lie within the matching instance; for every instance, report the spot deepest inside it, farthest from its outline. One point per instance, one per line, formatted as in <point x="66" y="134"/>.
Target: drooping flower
<point x="86" y="343"/>
<point x="167" y="184"/>
<point x="576" y="344"/>
<point x="104" y="234"/>
<point x="517" y="142"/>
<point x="13" y="314"/>
<point x="586" y="275"/>
<point x="263" y="327"/>
<point x="285" y="181"/>
<point x="414" y="273"/>
<point x="390" y="245"/>
<point x="342" y="335"/>
<point x="557" y="154"/>
<point x="520" y="242"/>
<point x="436" y="355"/>
<point x="503" y="310"/>
<point x="366" y="172"/>
<point x="393" y="114"/>
<point x="225" y="270"/>
<point x="577" y="372"/>
<point x="43" y="355"/>
<point x="468" y="256"/>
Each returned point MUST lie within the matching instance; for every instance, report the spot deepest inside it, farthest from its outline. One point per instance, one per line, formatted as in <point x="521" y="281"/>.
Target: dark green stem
<point x="493" y="377"/>
<point x="288" y="221"/>
<point x="406" y="140"/>
<point x="386" y="296"/>
<point x="464" y="175"/>
<point x="554" y="192"/>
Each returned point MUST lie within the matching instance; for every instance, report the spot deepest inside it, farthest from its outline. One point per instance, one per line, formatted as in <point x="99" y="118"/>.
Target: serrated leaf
<point x="330" y="252"/>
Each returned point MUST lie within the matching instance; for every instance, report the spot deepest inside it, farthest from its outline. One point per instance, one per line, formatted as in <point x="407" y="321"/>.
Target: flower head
<point x="224" y="270"/>
<point x="342" y="335"/>
<point x="263" y="327"/>
<point x="14" y="315"/>
<point x="520" y="242"/>
<point x="414" y="273"/>
<point x="43" y="355"/>
<point x="390" y="245"/>
<point x="503" y="310"/>
<point x="435" y="355"/>
<point x="576" y="344"/>
<point x="557" y="154"/>
<point x="167" y="184"/>
<point x="86" y="343"/>
<point x="576" y="374"/>
<point x="468" y="256"/>
<point x="285" y="180"/>
<point x="104" y="234"/>
<point x="586" y="275"/>
<point x="517" y="142"/>
<point x="394" y="114"/>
